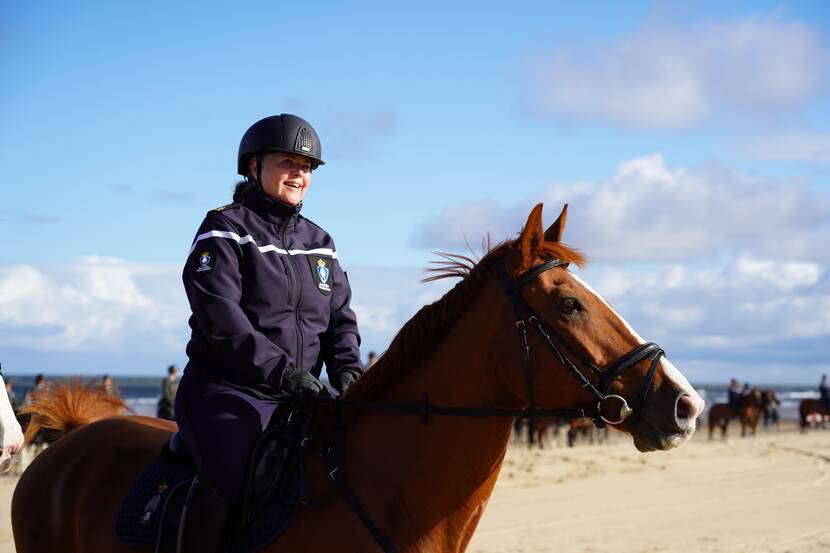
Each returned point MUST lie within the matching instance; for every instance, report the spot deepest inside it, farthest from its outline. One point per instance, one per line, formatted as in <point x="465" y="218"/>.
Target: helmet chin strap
<point x="258" y="180"/>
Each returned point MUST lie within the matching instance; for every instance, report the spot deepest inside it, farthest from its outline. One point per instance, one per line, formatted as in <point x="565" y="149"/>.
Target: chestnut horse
<point x="749" y="414"/>
<point x="425" y="486"/>
<point x="813" y="407"/>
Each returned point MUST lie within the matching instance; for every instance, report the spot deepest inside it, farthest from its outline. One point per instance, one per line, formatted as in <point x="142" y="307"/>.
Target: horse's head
<point x="573" y="333"/>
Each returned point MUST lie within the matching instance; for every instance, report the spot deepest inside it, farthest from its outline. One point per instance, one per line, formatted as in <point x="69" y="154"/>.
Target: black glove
<point x="345" y="378"/>
<point x="300" y="383"/>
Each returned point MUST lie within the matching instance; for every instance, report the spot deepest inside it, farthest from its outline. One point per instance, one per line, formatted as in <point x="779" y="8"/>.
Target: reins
<point x="525" y="314"/>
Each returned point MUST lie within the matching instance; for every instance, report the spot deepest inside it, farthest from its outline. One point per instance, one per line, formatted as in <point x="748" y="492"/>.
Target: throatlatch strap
<point x="520" y="309"/>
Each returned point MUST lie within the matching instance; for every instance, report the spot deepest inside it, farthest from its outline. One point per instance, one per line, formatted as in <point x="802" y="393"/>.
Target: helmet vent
<point x="303" y="143"/>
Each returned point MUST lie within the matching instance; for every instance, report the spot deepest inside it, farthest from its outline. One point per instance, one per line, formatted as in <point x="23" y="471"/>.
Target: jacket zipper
<point x="288" y="275"/>
<point x="299" y="299"/>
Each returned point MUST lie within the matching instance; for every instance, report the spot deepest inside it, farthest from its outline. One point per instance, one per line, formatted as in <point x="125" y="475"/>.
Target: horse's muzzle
<point x="667" y="421"/>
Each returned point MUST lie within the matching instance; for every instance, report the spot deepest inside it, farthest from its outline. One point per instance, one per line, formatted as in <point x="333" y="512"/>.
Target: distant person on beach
<point x="370" y="360"/>
<point x="770" y="404"/>
<point x="270" y="306"/>
<point x="40" y="385"/>
<point x="12" y="396"/>
<point x="109" y="387"/>
<point x="824" y="392"/>
<point x="735" y="395"/>
<point x="167" y="401"/>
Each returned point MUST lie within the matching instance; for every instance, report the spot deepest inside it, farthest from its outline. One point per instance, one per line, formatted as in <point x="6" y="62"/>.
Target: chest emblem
<point x="321" y="271"/>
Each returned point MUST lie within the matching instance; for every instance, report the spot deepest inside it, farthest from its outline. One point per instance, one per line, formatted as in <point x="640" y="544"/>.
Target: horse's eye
<point x="569" y="306"/>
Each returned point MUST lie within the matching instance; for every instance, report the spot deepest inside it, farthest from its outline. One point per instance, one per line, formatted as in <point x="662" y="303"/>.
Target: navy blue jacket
<point x="267" y="291"/>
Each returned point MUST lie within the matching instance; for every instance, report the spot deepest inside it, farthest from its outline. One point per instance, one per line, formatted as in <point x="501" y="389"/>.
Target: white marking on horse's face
<point x="11" y="435"/>
<point x="669" y="370"/>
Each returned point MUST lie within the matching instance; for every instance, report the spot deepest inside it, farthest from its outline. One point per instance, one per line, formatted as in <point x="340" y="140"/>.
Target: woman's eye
<point x="569" y="306"/>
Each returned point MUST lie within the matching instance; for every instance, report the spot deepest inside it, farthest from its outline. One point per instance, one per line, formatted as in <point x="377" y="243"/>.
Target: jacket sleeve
<point x="341" y="341"/>
<point x="213" y="282"/>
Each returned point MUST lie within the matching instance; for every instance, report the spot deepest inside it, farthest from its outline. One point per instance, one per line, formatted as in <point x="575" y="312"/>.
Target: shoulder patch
<point x="226" y="207"/>
<point x="205" y="262"/>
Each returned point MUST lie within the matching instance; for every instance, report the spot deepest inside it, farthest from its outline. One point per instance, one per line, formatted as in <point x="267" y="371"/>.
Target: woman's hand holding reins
<point x="301" y="384"/>
<point x="345" y="378"/>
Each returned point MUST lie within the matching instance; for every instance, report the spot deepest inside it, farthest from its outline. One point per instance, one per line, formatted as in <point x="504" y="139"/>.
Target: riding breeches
<point x="220" y="425"/>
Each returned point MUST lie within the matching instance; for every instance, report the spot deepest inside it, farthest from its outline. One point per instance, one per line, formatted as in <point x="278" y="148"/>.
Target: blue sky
<point x="120" y="124"/>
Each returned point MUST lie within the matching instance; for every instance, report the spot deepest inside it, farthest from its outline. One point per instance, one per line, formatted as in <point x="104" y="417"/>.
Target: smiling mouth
<point x="292" y="185"/>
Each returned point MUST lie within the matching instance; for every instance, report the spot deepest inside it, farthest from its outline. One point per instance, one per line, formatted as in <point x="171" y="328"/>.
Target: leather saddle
<point x="275" y="451"/>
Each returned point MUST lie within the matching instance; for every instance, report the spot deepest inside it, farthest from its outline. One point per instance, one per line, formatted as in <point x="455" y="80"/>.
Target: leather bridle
<point x="526" y="315"/>
<point x="333" y="453"/>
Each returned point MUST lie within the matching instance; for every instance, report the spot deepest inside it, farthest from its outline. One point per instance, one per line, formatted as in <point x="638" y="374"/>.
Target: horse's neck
<point x="431" y="481"/>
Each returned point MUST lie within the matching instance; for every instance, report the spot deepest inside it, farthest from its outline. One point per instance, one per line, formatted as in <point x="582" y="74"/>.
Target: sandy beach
<point x="769" y="494"/>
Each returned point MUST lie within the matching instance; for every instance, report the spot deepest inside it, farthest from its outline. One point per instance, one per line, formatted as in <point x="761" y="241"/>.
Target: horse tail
<point x="65" y="406"/>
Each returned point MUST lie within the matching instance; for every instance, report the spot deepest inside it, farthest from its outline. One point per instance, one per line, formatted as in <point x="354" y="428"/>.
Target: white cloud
<point x="721" y="268"/>
<point x="720" y="306"/>
<point x="649" y="212"/>
<point x="676" y="77"/>
<point x="784" y="275"/>
<point x="92" y="303"/>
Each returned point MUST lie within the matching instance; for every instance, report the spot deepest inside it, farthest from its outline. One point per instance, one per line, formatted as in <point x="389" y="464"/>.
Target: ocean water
<point x="141" y="393"/>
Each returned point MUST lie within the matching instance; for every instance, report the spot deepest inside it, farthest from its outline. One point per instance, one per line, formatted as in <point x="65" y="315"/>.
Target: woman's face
<point x="285" y="177"/>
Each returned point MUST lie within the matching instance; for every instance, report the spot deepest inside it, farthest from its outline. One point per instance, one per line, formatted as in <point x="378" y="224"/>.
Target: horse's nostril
<point x="685" y="409"/>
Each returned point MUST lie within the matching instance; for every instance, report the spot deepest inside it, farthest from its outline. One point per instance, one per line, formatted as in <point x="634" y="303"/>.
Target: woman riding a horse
<point x="270" y="305"/>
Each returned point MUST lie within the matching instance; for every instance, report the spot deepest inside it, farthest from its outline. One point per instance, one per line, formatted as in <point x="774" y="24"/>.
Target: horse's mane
<point x="419" y="337"/>
<point x="63" y="407"/>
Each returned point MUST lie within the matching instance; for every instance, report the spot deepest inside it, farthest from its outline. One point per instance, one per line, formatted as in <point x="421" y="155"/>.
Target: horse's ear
<point x="532" y="236"/>
<point x="557" y="229"/>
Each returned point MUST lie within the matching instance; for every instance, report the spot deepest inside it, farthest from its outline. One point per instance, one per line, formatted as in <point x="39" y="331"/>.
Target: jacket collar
<point x="270" y="209"/>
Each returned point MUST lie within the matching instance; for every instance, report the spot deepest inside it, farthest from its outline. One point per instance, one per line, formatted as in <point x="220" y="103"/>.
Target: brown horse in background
<point x="575" y="427"/>
<point x="424" y="485"/>
<point x="749" y="413"/>
<point x="813" y="407"/>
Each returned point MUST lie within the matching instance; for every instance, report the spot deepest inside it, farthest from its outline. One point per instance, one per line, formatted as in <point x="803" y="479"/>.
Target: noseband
<point x="525" y="315"/>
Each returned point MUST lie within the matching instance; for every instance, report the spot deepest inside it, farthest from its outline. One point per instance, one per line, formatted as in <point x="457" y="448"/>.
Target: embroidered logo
<point x="321" y="271"/>
<point x="206" y="262"/>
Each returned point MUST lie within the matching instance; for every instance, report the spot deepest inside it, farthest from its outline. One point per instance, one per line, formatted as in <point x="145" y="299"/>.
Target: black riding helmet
<point x="279" y="133"/>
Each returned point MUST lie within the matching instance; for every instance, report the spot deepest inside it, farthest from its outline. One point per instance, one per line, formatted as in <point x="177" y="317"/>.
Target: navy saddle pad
<point x="156" y="500"/>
